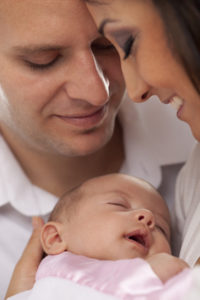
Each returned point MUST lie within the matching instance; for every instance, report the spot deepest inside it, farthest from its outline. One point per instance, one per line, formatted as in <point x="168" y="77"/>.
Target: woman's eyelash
<point x="42" y="66"/>
<point x="128" y="46"/>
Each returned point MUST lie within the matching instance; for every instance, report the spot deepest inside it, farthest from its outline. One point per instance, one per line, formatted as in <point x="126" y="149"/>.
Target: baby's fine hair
<point x="67" y="201"/>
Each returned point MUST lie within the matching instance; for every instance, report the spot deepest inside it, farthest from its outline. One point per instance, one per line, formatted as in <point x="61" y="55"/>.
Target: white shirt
<point x="187" y="208"/>
<point x="150" y="140"/>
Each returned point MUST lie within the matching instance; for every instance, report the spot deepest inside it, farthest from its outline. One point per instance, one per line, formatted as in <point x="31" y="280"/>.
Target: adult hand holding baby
<point x="23" y="276"/>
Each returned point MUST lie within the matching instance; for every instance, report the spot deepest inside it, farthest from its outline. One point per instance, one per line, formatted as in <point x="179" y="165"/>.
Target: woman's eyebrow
<point x="104" y="23"/>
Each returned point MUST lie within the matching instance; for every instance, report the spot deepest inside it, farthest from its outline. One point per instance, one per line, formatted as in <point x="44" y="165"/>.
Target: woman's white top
<point x="187" y="208"/>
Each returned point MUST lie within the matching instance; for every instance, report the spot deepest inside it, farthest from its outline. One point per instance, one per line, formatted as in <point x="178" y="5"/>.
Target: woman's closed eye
<point x="127" y="47"/>
<point x="123" y="38"/>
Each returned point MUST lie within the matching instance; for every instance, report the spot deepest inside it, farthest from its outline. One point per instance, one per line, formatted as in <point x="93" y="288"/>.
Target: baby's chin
<point x="124" y="256"/>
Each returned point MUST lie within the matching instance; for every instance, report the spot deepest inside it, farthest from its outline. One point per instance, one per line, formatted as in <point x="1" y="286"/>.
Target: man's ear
<point x="52" y="238"/>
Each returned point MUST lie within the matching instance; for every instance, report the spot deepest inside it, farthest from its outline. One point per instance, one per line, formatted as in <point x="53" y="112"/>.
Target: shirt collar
<point x="16" y="188"/>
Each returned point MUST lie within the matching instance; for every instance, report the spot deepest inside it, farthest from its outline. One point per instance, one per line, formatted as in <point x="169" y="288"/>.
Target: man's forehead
<point x="15" y="3"/>
<point x="10" y="6"/>
<point x="20" y="10"/>
<point x="23" y="7"/>
<point x="43" y="23"/>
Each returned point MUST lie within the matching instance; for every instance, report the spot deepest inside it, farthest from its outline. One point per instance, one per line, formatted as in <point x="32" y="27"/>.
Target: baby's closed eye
<point x="120" y="204"/>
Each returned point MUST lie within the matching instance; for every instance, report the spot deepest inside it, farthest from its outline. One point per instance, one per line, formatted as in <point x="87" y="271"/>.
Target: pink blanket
<point x="123" y="279"/>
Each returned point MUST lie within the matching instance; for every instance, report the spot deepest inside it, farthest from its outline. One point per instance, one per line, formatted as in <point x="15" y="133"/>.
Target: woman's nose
<point x="138" y="89"/>
<point x="146" y="217"/>
<point x="87" y="81"/>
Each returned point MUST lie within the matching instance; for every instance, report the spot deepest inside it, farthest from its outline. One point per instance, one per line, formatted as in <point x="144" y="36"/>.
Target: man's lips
<point x="85" y="120"/>
<point x="140" y="237"/>
<point x="84" y="115"/>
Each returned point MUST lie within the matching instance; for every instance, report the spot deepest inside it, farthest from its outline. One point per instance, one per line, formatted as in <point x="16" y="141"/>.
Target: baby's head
<point x="109" y="217"/>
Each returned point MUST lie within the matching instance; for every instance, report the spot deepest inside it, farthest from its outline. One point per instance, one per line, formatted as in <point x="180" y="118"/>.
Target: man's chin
<point x="82" y="143"/>
<point x="76" y="149"/>
<point x="86" y="150"/>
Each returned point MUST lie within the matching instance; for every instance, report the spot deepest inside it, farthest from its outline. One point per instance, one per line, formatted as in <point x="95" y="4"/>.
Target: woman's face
<point x="149" y="66"/>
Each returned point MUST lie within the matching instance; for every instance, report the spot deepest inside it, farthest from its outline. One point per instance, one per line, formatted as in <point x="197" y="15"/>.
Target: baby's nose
<point x="146" y="217"/>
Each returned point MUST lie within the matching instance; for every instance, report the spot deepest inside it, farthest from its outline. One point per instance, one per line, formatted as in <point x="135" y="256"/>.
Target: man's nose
<point x="87" y="81"/>
<point x="138" y="89"/>
<point x="146" y="217"/>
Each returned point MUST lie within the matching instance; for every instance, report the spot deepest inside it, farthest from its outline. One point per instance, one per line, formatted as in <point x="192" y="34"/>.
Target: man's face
<point x="60" y="82"/>
<point x="118" y="217"/>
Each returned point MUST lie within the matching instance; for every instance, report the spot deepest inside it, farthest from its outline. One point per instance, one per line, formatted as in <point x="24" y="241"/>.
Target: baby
<point x="113" y="217"/>
<point x="109" y="239"/>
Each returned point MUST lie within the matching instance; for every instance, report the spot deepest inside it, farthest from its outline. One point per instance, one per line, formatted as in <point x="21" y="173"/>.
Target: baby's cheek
<point x="161" y="244"/>
<point x="165" y="246"/>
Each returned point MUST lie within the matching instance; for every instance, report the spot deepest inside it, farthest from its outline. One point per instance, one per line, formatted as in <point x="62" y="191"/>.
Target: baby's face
<point x="118" y="218"/>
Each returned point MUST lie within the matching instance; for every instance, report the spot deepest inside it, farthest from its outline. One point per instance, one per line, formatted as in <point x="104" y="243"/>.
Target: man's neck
<point x="57" y="174"/>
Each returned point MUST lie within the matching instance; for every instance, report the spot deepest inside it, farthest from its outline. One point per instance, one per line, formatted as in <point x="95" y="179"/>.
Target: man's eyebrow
<point x="104" y="23"/>
<point x="32" y="49"/>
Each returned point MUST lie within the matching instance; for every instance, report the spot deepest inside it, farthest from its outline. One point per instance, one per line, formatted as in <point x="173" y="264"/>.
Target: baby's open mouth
<point x="138" y="238"/>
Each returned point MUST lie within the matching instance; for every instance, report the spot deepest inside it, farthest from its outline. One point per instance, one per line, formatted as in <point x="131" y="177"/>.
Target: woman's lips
<point x="177" y="104"/>
<point x="86" y="121"/>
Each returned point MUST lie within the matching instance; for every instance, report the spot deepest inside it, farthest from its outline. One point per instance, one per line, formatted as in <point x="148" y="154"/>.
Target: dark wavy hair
<point x="182" y="25"/>
<point x="181" y="19"/>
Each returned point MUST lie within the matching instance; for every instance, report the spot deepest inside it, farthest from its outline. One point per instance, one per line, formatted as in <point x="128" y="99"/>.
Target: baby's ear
<point x="52" y="238"/>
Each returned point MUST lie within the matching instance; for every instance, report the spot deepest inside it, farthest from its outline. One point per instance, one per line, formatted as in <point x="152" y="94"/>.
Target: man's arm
<point x="23" y="276"/>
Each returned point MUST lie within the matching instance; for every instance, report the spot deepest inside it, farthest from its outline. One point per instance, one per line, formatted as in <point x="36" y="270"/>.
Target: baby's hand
<point x="166" y="265"/>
